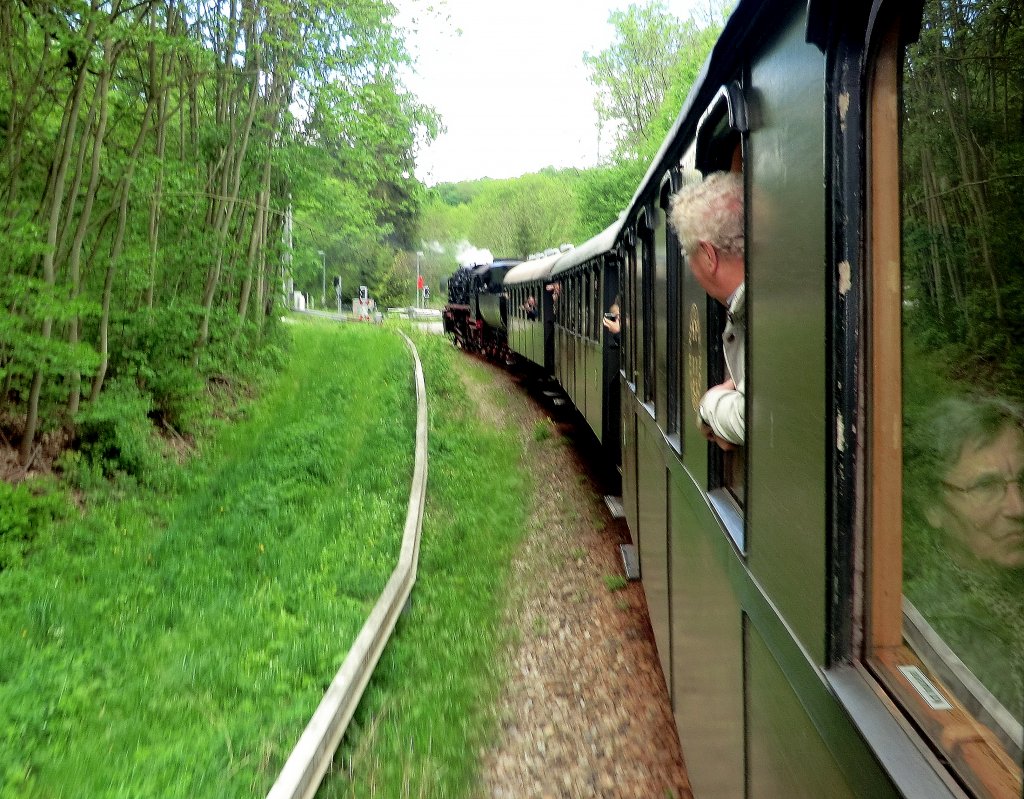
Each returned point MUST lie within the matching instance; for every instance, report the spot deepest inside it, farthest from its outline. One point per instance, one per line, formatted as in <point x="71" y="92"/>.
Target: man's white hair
<point x="710" y="210"/>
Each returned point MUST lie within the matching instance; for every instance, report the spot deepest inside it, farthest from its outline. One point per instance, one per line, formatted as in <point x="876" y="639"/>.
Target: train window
<point x="632" y="320"/>
<point x="577" y="293"/>
<point x="947" y="385"/>
<point x="674" y="337"/>
<point x="646" y="254"/>
<point x="719" y="149"/>
<point x="585" y="301"/>
<point x="585" y="304"/>
<point x="567" y="300"/>
<point x="571" y="305"/>
<point x="577" y="304"/>
<point x="626" y="321"/>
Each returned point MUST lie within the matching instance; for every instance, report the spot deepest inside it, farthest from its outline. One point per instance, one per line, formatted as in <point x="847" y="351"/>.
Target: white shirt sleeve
<point x="723" y="409"/>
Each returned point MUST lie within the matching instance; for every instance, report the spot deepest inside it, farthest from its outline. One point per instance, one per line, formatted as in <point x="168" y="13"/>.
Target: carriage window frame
<point x="972" y="753"/>
<point x="569" y="299"/>
<point x="574" y="301"/>
<point x="675" y="305"/>
<point x="625" y="314"/>
<point x="634" y="341"/>
<point x="649" y="367"/>
<point x="580" y="310"/>
<point x="587" y="305"/>
<point x="721" y="145"/>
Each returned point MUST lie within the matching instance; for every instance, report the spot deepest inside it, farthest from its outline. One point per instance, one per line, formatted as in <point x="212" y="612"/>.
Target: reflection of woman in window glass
<point x="964" y="535"/>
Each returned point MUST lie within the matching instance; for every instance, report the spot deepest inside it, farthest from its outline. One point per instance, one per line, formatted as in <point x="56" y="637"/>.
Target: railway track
<point x="311" y="757"/>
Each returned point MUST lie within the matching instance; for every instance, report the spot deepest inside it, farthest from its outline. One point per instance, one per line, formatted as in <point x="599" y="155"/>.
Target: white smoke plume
<point x="468" y="255"/>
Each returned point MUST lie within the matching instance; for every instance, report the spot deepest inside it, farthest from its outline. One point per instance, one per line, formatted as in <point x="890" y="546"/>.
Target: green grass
<point x="175" y="645"/>
<point x="614" y="582"/>
<point x="429" y="707"/>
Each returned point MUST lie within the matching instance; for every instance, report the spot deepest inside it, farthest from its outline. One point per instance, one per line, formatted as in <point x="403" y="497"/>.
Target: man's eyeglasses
<point x="990" y="489"/>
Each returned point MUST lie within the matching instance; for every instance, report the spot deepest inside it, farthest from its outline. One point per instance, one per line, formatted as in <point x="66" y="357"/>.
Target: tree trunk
<point x="124" y="192"/>
<point x="52" y="213"/>
<point x="75" y="257"/>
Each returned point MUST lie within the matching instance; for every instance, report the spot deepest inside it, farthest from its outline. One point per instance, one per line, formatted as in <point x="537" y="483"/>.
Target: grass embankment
<point x="428" y="708"/>
<point x="175" y="645"/>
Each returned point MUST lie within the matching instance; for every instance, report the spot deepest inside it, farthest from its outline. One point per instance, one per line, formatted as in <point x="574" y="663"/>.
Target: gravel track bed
<point x="585" y="712"/>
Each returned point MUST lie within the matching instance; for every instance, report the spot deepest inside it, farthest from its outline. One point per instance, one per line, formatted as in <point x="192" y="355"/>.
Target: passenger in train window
<point x="612" y="323"/>
<point x="964" y="535"/>
<point x="530" y="307"/>
<point x="556" y="291"/>
<point x="708" y="218"/>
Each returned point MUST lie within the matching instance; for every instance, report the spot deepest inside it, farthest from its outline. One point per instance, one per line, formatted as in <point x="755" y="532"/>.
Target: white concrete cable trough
<point x="306" y="765"/>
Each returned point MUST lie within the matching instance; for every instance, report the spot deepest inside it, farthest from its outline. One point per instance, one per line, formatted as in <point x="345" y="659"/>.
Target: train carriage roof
<point x="593" y="247"/>
<point x="537" y="269"/>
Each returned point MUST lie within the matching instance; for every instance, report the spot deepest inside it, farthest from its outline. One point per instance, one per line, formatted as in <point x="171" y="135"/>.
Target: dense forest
<point x="170" y="169"/>
<point x="963" y="163"/>
<point x="155" y="157"/>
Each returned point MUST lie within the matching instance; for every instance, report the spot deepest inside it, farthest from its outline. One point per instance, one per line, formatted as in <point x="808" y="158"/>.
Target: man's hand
<point x="709" y="434"/>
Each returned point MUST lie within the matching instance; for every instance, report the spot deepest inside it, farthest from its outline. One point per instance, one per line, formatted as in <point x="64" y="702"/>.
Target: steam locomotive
<point x="476" y="311"/>
<point x="805" y="651"/>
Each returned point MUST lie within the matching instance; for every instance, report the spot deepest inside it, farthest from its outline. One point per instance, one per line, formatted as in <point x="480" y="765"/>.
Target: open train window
<point x="630" y="319"/>
<point x="581" y="304"/>
<point x="573" y="305"/>
<point x="674" y="316"/>
<point x="645" y="254"/>
<point x="719" y="148"/>
<point x="627" y="269"/>
<point x="946" y="392"/>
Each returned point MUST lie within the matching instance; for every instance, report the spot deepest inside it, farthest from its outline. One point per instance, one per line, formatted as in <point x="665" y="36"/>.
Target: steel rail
<point x="306" y="765"/>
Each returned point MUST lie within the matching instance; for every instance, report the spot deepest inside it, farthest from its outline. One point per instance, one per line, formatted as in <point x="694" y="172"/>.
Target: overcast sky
<point x="512" y="88"/>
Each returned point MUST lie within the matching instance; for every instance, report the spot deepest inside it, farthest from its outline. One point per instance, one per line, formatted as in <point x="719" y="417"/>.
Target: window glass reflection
<point x="963" y="329"/>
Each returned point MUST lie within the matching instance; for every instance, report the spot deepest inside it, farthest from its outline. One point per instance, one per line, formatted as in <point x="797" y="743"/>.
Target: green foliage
<point x="542" y="430"/>
<point x="156" y="352"/>
<point x="614" y="582"/>
<point x="512" y="217"/>
<point x="24" y="510"/>
<point x="175" y="643"/>
<point x="644" y="75"/>
<point x="603" y="192"/>
<point x="116" y="435"/>
<point x="27" y="350"/>
<point x="963" y="156"/>
<point x="150" y="167"/>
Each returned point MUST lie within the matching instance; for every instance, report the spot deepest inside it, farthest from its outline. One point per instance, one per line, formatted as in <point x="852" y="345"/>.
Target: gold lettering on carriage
<point x="695" y="358"/>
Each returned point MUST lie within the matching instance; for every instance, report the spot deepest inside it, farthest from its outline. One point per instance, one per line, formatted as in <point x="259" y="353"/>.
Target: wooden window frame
<point x="975" y="755"/>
